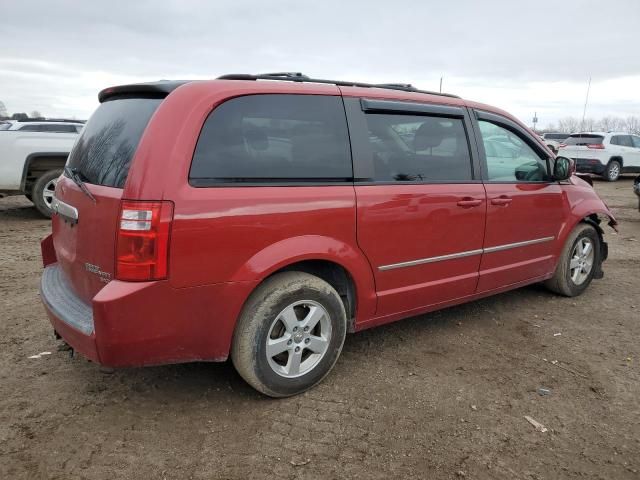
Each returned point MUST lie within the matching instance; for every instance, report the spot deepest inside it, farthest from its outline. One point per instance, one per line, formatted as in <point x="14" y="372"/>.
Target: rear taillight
<point x="562" y="145"/>
<point x="142" y="247"/>
<point x="596" y="146"/>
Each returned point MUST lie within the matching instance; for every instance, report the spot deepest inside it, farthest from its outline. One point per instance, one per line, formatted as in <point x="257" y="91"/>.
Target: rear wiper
<point x="74" y="175"/>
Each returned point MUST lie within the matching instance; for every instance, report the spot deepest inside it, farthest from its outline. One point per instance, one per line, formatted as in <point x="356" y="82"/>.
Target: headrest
<point x="429" y="134"/>
<point x="256" y="137"/>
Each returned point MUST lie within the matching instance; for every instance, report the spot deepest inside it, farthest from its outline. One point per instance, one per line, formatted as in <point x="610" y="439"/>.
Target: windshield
<point x="109" y="140"/>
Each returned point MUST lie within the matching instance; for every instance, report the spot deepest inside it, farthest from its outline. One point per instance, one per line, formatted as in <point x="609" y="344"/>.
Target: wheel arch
<point x="338" y="263"/>
<point x="616" y="158"/>
<point x="37" y="163"/>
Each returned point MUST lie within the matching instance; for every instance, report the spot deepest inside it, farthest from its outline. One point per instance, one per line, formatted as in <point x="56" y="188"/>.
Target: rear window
<point x="583" y="139"/>
<point x="555" y="136"/>
<point x="622" y="140"/>
<point x="271" y="138"/>
<point x="109" y="140"/>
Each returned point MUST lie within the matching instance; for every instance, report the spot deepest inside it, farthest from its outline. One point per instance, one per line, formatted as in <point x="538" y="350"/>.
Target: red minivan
<point x="263" y="217"/>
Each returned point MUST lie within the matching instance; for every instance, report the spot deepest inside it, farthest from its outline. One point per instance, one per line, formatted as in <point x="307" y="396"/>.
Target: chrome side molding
<point x="441" y="258"/>
<point x="66" y="211"/>
<point x="499" y="248"/>
<point x="469" y="253"/>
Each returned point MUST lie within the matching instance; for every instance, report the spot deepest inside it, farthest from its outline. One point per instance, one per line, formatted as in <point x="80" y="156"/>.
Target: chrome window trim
<point x="65" y="210"/>
<point x="468" y="253"/>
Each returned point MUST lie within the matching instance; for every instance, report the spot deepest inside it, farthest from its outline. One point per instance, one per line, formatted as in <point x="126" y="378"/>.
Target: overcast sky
<point x="522" y="56"/>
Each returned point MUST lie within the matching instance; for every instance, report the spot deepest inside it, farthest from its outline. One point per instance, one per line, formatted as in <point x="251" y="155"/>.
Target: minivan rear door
<point x="88" y="194"/>
<point x="420" y="208"/>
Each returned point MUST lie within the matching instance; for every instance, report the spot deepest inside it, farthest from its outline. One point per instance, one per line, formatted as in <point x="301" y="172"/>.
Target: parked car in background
<point x="32" y="156"/>
<point x="287" y="211"/>
<point x="604" y="153"/>
<point x="553" y="140"/>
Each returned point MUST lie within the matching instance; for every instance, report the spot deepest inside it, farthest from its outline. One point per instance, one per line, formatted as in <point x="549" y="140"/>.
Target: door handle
<point x="468" y="202"/>
<point x="501" y="200"/>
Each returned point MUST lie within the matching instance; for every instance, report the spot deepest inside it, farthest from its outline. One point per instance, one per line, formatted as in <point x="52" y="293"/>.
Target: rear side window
<point x="103" y="152"/>
<point x="271" y="138"/>
<point x="583" y="139"/>
<point x="30" y="128"/>
<point x="622" y="140"/>
<point x="418" y="148"/>
<point x="58" y="128"/>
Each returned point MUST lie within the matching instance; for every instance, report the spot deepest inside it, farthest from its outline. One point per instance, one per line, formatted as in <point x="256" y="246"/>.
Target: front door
<point x="420" y="212"/>
<point x="525" y="208"/>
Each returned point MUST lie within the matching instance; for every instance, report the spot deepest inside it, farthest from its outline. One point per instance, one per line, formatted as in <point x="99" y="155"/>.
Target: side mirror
<point x="563" y="168"/>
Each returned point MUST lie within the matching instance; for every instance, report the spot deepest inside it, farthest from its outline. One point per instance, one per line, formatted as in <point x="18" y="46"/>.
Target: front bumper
<point x="144" y="323"/>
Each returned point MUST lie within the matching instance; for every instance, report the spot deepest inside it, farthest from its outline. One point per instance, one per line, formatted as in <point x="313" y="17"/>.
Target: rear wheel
<point x="289" y="334"/>
<point x="43" y="190"/>
<point x="613" y="170"/>
<point x="578" y="262"/>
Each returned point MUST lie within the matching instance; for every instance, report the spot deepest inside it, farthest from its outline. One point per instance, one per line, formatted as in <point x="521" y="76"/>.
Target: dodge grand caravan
<point x="263" y="217"/>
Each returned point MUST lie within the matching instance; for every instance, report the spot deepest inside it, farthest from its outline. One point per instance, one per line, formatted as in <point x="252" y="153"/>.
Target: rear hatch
<point x="581" y="145"/>
<point x="93" y="184"/>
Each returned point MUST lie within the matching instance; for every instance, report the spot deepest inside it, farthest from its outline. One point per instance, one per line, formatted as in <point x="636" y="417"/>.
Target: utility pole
<point x="584" y="111"/>
<point x="535" y="121"/>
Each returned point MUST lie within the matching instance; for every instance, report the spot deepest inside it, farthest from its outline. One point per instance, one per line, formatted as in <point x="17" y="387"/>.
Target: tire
<point x="613" y="170"/>
<point x="565" y="281"/>
<point x="294" y="297"/>
<point x="42" y="192"/>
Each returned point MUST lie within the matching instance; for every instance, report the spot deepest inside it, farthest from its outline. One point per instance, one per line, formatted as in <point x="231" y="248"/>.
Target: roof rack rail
<point x="300" y="77"/>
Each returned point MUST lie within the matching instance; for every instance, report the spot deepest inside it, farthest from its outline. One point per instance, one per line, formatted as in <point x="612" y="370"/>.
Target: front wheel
<point x="578" y="262"/>
<point x="289" y="334"/>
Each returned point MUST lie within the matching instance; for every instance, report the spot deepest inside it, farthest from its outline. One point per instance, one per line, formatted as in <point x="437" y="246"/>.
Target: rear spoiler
<point x="145" y="90"/>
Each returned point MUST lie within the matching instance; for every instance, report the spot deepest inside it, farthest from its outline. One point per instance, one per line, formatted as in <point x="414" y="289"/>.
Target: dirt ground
<point x="438" y="396"/>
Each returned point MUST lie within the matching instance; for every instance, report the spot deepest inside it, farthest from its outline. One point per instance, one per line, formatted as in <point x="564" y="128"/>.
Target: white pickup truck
<point x="32" y="156"/>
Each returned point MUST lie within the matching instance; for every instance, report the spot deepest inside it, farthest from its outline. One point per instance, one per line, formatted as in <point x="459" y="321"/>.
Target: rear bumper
<point x="70" y="317"/>
<point x="590" y="165"/>
<point x="145" y="323"/>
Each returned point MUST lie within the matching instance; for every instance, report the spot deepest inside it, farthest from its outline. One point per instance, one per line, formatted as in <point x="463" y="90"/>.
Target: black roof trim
<point x="299" y="77"/>
<point x="158" y="89"/>
<point x="50" y="120"/>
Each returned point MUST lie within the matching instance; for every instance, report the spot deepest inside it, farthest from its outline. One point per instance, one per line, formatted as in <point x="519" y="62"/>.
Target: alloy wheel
<point x="298" y="339"/>
<point x="581" y="262"/>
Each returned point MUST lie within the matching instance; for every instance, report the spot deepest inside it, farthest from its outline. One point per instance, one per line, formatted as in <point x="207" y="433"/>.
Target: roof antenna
<point x="440" y="84"/>
<point x="584" y="111"/>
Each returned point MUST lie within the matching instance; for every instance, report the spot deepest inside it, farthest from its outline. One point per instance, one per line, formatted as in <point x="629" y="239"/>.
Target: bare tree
<point x="568" y="125"/>
<point x="3" y="109"/>
<point x="35" y="114"/>
<point x="632" y="125"/>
